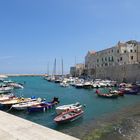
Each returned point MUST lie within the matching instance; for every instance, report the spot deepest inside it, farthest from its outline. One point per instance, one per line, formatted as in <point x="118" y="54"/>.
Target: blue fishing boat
<point x="43" y="106"/>
<point x="132" y="91"/>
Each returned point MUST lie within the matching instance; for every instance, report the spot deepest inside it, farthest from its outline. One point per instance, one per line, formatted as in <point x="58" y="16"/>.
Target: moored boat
<point x="106" y="95"/>
<point x="5" y="89"/>
<point x="69" y="116"/>
<point x="15" y="85"/>
<point x="88" y="85"/>
<point x="129" y="91"/>
<point x="79" y="85"/>
<point x="119" y="93"/>
<point x="25" y="105"/>
<point x="63" y="108"/>
<point x="13" y="101"/>
<point x="64" y="84"/>
<point x="43" y="106"/>
<point x="6" y="97"/>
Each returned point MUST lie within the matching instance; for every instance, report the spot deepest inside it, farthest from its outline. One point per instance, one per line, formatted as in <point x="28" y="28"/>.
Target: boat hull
<point x="62" y="118"/>
<point x="63" y="108"/>
<point x="41" y="108"/>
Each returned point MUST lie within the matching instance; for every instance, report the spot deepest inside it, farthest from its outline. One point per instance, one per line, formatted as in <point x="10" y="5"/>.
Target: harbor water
<point x="95" y="107"/>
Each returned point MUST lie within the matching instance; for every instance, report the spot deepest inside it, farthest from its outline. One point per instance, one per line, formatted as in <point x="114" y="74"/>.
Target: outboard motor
<point x="55" y="99"/>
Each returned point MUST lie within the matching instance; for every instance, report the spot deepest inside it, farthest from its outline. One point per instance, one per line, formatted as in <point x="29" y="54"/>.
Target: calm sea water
<point x="95" y="106"/>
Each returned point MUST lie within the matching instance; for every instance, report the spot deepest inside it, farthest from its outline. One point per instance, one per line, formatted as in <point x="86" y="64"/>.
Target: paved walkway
<point x="15" y="128"/>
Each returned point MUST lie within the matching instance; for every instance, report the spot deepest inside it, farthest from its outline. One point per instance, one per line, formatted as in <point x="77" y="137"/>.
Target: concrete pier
<point x="15" y="128"/>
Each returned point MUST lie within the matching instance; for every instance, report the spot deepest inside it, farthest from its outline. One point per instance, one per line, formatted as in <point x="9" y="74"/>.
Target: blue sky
<point x="35" y="32"/>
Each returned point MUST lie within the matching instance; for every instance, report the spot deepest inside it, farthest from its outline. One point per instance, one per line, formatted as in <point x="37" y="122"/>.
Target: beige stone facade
<point x="77" y="70"/>
<point x="114" y="62"/>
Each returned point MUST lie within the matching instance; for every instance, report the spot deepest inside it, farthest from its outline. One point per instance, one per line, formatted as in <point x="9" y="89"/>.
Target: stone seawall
<point x="129" y="72"/>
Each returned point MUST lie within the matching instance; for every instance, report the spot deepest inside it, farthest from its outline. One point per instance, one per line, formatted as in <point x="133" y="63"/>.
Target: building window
<point x="120" y="58"/>
<point x="131" y="51"/>
<point x="105" y="59"/>
<point x="132" y="57"/>
<point x="135" y="50"/>
<point x="124" y="51"/>
<point x="112" y="50"/>
<point x="117" y="51"/>
<point x="112" y="59"/>
<point x="97" y="60"/>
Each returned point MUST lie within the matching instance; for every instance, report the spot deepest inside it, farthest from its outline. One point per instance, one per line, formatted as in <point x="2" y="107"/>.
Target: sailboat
<point x="47" y="76"/>
<point x="59" y="78"/>
<point x="64" y="81"/>
<point x="51" y="78"/>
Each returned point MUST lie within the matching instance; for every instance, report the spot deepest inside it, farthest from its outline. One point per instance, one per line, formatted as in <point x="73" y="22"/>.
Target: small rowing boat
<point x="106" y="95"/>
<point x="69" y="116"/>
<point x="63" y="108"/>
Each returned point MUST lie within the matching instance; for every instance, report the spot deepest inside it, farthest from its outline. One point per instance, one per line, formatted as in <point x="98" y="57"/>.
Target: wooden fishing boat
<point x="106" y="95"/>
<point x="5" y="89"/>
<point x="11" y="102"/>
<point x="69" y="116"/>
<point x="43" y="106"/>
<point x="25" y="105"/>
<point x="15" y="85"/>
<point x="6" y="97"/>
<point x="63" y="108"/>
<point x="118" y="92"/>
<point x="129" y="91"/>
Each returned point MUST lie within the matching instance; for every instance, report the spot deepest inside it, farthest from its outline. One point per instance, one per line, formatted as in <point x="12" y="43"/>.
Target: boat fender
<point x="44" y="109"/>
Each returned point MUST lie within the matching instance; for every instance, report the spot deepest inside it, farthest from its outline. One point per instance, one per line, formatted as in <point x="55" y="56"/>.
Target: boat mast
<point x="48" y="69"/>
<point x="54" y="70"/>
<point x="75" y="74"/>
<point x="62" y="67"/>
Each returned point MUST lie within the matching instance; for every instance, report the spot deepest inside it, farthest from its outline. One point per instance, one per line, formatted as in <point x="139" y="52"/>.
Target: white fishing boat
<point x="5" y="89"/>
<point x="63" y="108"/>
<point x="6" y="97"/>
<point x="15" y="101"/>
<point x="25" y="105"/>
<point x="79" y="85"/>
<point x="3" y="76"/>
<point x="87" y="85"/>
<point x="64" y="84"/>
<point x="15" y="85"/>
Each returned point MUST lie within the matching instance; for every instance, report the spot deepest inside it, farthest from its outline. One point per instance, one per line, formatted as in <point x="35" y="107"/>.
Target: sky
<point x="35" y="32"/>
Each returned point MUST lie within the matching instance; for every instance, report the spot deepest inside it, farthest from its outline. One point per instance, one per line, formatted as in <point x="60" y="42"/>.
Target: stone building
<point x="73" y="71"/>
<point x="77" y="70"/>
<point x="115" y="62"/>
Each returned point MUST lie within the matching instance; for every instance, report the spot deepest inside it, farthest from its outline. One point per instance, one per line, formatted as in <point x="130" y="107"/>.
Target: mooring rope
<point x="9" y="109"/>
